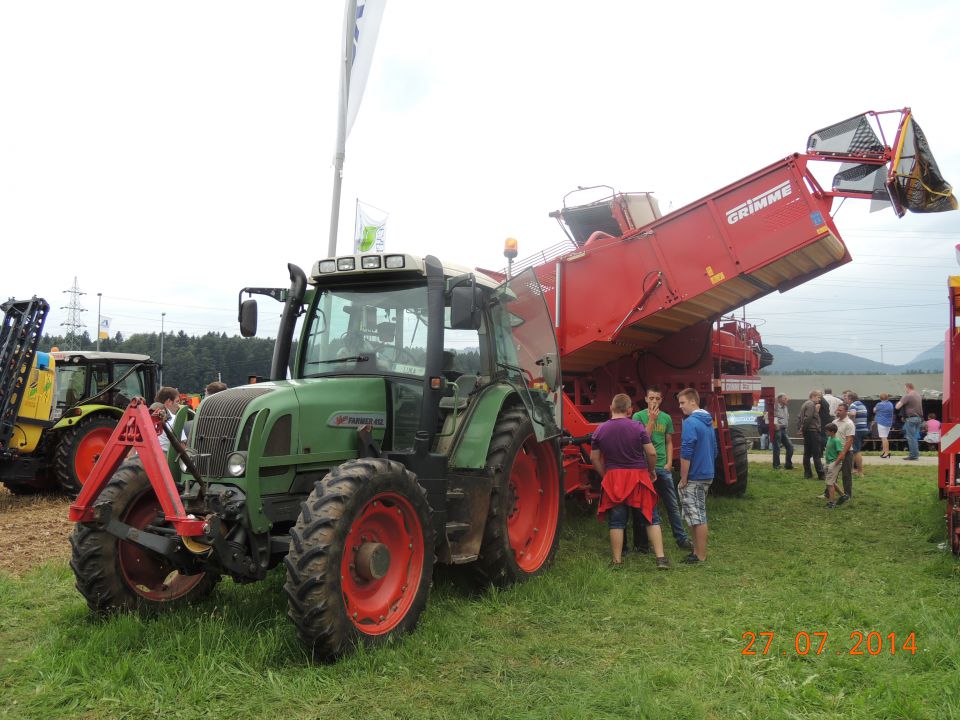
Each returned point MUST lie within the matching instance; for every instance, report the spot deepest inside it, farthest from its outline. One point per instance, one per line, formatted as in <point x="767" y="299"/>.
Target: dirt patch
<point x="34" y="529"/>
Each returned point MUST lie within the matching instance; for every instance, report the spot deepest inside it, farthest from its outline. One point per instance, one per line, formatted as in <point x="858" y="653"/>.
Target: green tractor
<point x="418" y="422"/>
<point x="59" y="408"/>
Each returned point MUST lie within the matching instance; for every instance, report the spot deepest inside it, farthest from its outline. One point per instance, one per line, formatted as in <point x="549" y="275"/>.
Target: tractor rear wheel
<point x="118" y="575"/>
<point x="740" y="448"/>
<point x="361" y="558"/>
<point x="79" y="449"/>
<point x="522" y="532"/>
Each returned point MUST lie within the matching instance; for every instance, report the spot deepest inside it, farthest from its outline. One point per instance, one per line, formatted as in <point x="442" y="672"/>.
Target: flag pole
<point x="349" y="23"/>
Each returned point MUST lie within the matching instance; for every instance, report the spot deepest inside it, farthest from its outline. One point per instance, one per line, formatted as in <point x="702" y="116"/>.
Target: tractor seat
<point x="464" y="386"/>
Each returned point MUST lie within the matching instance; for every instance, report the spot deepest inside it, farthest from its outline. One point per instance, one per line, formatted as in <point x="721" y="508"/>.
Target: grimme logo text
<point x="758" y="203"/>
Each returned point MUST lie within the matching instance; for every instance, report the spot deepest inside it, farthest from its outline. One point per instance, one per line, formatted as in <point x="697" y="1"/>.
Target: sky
<point x="168" y="154"/>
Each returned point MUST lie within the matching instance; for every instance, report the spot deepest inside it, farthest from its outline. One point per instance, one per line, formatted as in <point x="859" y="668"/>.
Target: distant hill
<point x="787" y="360"/>
<point x="931" y="359"/>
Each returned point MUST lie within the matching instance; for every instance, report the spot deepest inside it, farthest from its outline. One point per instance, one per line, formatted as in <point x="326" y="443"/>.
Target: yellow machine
<point x="34" y="415"/>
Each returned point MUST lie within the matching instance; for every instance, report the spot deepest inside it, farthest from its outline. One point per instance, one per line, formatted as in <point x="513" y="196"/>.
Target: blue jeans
<point x="911" y="431"/>
<point x="668" y="494"/>
<point x="780" y="436"/>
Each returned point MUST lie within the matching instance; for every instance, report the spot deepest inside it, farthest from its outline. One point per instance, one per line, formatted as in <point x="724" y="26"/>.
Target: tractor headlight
<point x="394" y="262"/>
<point x="192" y="454"/>
<point x="370" y="262"/>
<point x="346" y="263"/>
<point x="236" y="463"/>
<point x="328" y="266"/>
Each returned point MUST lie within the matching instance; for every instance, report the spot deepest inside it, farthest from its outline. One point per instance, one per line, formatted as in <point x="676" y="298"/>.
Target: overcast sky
<point x="168" y="154"/>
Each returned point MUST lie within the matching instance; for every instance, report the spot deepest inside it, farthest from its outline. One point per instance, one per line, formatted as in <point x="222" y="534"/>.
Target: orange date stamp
<point x="819" y="643"/>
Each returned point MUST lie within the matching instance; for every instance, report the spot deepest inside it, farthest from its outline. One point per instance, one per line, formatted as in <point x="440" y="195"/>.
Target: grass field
<point x="584" y="641"/>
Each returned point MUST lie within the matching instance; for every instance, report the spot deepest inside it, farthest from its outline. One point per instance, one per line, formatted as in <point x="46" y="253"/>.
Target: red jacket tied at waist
<point x="628" y="487"/>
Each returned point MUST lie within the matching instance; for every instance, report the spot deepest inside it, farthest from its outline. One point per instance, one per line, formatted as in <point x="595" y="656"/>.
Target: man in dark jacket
<point x="810" y="427"/>
<point x="698" y="450"/>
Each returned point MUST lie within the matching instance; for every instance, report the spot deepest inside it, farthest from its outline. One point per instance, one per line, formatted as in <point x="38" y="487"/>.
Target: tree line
<point x="190" y="362"/>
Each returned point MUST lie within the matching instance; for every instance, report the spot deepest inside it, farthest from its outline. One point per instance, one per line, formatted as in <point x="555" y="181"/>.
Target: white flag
<point x="365" y="30"/>
<point x="104" y="328"/>
<point x="368" y="230"/>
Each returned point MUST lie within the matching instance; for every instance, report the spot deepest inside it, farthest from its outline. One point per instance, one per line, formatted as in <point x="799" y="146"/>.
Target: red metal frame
<point x="948" y="477"/>
<point x="138" y="430"/>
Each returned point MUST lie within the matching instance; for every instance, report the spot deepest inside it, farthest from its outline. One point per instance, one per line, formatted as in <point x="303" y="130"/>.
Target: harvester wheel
<point x="78" y="451"/>
<point x="740" y="448"/>
<point x="361" y="558"/>
<point x="116" y="575"/>
<point x="953" y="529"/>
<point x="526" y="505"/>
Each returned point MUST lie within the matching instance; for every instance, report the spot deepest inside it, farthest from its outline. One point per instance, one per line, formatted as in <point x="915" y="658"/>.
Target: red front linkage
<point x="140" y="430"/>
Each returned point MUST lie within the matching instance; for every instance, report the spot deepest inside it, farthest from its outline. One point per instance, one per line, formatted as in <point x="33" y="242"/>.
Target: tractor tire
<point x="361" y="556"/>
<point x="115" y="575"/>
<point x="78" y="451"/>
<point x="522" y="532"/>
<point x="740" y="449"/>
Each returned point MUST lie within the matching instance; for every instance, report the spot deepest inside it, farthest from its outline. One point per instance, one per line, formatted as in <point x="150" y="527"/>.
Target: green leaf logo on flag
<point x="368" y="238"/>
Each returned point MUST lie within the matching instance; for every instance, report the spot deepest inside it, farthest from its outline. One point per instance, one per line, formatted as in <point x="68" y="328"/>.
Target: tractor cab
<point x="103" y="378"/>
<point x="436" y="351"/>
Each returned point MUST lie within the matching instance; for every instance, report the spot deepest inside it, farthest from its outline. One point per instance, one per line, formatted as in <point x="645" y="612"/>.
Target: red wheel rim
<point x="534" y="502"/>
<point x="149" y="575"/>
<point x="377" y="606"/>
<point x="89" y="451"/>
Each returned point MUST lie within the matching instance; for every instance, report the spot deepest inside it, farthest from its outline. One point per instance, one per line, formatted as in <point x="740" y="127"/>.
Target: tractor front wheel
<point x="118" y="575"/>
<point x="79" y="449"/>
<point x="361" y="558"/>
<point x="523" y="524"/>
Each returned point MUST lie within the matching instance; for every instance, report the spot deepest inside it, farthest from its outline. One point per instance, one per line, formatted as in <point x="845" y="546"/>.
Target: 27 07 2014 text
<point x="817" y="643"/>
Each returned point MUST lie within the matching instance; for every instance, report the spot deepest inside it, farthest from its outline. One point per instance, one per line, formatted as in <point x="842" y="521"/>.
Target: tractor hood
<point x="288" y="421"/>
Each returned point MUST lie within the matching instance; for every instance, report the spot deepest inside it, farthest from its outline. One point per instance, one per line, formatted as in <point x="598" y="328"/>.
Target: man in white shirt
<point x="832" y="402"/>
<point x="846" y="431"/>
<point x="170" y="399"/>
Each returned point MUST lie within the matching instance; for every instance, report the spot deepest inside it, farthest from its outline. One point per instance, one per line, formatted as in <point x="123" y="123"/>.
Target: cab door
<point x="527" y="356"/>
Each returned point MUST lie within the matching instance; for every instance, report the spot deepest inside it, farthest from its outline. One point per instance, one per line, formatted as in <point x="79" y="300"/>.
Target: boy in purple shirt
<point x="623" y="455"/>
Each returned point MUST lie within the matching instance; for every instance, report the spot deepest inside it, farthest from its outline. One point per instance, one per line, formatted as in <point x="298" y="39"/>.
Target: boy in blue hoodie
<point x="698" y="449"/>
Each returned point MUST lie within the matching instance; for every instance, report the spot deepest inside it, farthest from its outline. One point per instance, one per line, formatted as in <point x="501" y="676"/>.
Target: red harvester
<point x="639" y="299"/>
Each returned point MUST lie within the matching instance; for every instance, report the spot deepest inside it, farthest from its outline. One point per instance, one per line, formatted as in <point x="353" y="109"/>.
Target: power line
<point x="73" y="322"/>
<point x="860" y="309"/>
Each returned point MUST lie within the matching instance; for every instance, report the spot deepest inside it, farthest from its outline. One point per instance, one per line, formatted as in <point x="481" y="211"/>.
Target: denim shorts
<point x="617" y="517"/>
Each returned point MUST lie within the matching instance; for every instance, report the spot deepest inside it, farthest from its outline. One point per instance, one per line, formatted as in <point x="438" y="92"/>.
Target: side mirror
<point x="550" y="370"/>
<point x="465" y="304"/>
<point x="248" y="318"/>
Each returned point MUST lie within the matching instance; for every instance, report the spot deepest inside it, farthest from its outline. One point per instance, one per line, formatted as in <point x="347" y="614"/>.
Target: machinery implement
<point x="419" y="425"/>
<point x="948" y="477"/>
<point x="638" y="299"/>
<point x="58" y="409"/>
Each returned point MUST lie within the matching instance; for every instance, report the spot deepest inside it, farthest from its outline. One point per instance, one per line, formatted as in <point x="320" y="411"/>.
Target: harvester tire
<point x="78" y="450"/>
<point x="522" y="532"/>
<point x="740" y="448"/>
<point x="115" y="575"/>
<point x="361" y="556"/>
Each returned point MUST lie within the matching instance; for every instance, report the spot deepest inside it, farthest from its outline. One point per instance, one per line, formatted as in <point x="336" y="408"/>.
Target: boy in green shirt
<point x="659" y="425"/>
<point x="833" y="450"/>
